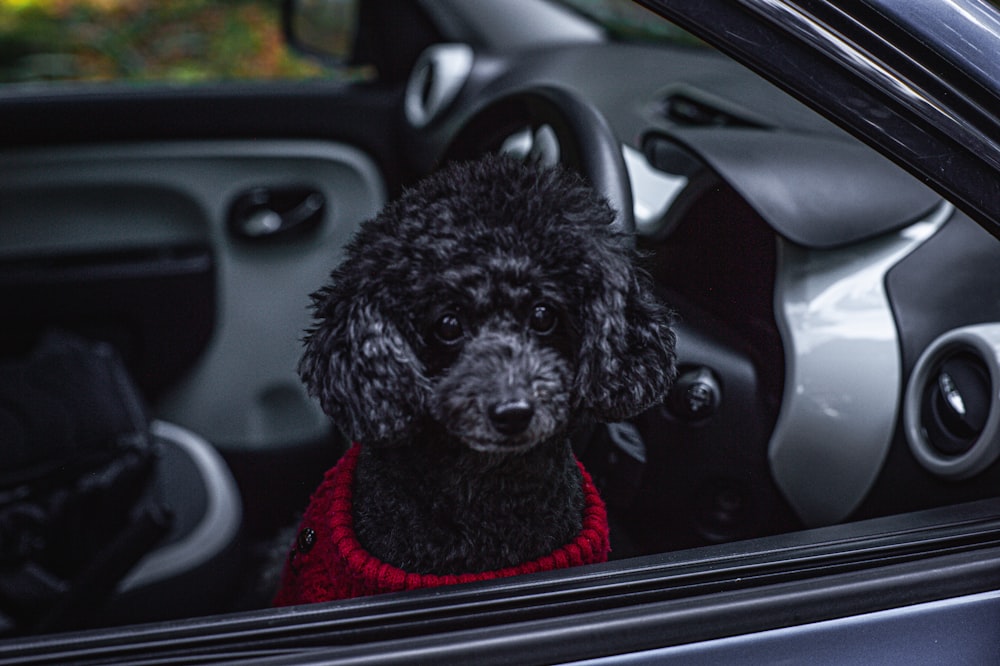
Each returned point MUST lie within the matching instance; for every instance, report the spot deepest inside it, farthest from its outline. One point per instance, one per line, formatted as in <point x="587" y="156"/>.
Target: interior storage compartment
<point x="156" y="305"/>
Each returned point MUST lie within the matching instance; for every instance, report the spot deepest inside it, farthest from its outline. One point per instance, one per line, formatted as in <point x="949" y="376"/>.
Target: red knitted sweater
<point x="329" y="563"/>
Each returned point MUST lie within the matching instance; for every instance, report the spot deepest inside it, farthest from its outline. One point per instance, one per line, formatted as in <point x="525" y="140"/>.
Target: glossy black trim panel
<point x="882" y="92"/>
<point x="629" y="605"/>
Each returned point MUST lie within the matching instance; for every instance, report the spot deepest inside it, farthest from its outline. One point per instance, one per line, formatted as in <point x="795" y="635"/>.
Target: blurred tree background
<point x="190" y="41"/>
<point x="181" y="41"/>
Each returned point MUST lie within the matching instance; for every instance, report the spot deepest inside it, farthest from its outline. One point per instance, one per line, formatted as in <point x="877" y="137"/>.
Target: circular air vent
<point x="956" y="402"/>
<point x="437" y="78"/>
<point x="951" y="412"/>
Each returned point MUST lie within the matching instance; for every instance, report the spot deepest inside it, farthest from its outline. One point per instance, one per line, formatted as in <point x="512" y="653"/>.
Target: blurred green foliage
<point x="181" y="41"/>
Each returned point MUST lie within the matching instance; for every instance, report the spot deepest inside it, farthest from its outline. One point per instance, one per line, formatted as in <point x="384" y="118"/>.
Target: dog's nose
<point x="512" y="417"/>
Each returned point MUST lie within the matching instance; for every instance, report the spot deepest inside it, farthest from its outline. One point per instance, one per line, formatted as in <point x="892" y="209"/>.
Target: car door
<point x="912" y="588"/>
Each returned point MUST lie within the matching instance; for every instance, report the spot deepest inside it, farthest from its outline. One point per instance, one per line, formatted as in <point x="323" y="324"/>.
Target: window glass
<point x="137" y="41"/>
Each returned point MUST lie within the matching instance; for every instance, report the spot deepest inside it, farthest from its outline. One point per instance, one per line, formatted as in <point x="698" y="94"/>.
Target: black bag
<point x="76" y="468"/>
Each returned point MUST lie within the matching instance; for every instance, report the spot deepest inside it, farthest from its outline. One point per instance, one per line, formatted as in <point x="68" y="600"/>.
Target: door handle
<point x="264" y="213"/>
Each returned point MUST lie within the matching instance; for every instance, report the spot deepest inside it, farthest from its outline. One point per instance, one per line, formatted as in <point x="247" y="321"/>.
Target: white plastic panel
<point x="843" y="380"/>
<point x="653" y="191"/>
<point x="213" y="533"/>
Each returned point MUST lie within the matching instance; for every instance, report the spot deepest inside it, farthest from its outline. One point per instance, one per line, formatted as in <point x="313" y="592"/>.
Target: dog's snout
<point x="504" y="393"/>
<point x="512" y="417"/>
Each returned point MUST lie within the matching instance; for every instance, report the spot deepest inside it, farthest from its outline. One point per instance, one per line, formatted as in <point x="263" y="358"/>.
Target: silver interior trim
<point x="437" y="78"/>
<point x="653" y="191"/>
<point x="837" y="417"/>
<point x="535" y="146"/>
<point x="218" y="526"/>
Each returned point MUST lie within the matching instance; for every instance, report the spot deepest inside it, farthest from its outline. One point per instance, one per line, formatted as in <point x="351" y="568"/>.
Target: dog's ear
<point x="361" y="368"/>
<point x="627" y="358"/>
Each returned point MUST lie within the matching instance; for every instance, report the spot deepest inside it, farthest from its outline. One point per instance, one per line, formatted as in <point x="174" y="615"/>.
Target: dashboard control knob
<point x="696" y="395"/>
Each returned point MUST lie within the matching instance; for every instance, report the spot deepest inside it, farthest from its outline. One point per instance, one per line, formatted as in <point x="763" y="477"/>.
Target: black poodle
<point x="473" y="324"/>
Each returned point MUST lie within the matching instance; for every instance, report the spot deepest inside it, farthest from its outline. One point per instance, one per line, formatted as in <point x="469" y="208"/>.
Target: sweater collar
<point x="591" y="545"/>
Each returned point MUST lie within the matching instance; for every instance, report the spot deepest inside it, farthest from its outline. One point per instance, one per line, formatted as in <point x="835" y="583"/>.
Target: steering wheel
<point x="550" y="125"/>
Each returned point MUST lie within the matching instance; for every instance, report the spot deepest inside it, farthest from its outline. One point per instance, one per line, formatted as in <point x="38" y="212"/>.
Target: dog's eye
<point x="543" y="319"/>
<point x="448" y="329"/>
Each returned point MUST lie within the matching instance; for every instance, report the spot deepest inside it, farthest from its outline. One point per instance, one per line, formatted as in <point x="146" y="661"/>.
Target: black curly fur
<point x="472" y="325"/>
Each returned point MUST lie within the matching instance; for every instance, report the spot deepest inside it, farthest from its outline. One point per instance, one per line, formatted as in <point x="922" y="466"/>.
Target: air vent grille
<point x="686" y="110"/>
<point x="951" y="412"/>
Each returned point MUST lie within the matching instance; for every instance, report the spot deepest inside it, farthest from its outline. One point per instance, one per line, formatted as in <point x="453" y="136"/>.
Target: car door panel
<point x="110" y="208"/>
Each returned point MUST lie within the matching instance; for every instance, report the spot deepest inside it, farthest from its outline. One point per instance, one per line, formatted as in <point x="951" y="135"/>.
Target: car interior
<point x="163" y="242"/>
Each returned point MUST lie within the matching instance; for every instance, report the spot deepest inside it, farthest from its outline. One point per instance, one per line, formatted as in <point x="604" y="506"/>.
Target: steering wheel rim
<point x="586" y="142"/>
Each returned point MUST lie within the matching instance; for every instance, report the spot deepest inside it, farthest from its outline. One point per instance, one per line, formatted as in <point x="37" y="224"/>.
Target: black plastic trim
<point x="365" y="116"/>
<point x="105" y="296"/>
<point x="797" y="183"/>
<point x="925" y="306"/>
<point x="824" y="55"/>
<point x="629" y="605"/>
<point x="646" y="627"/>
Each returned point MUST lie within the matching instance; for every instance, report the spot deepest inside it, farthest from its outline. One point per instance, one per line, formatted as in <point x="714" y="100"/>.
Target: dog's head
<point x="495" y="301"/>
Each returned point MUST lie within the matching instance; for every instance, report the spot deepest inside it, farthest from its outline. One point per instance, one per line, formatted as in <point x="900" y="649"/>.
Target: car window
<point x="46" y="42"/>
<point x="140" y="41"/>
<point x="795" y="257"/>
